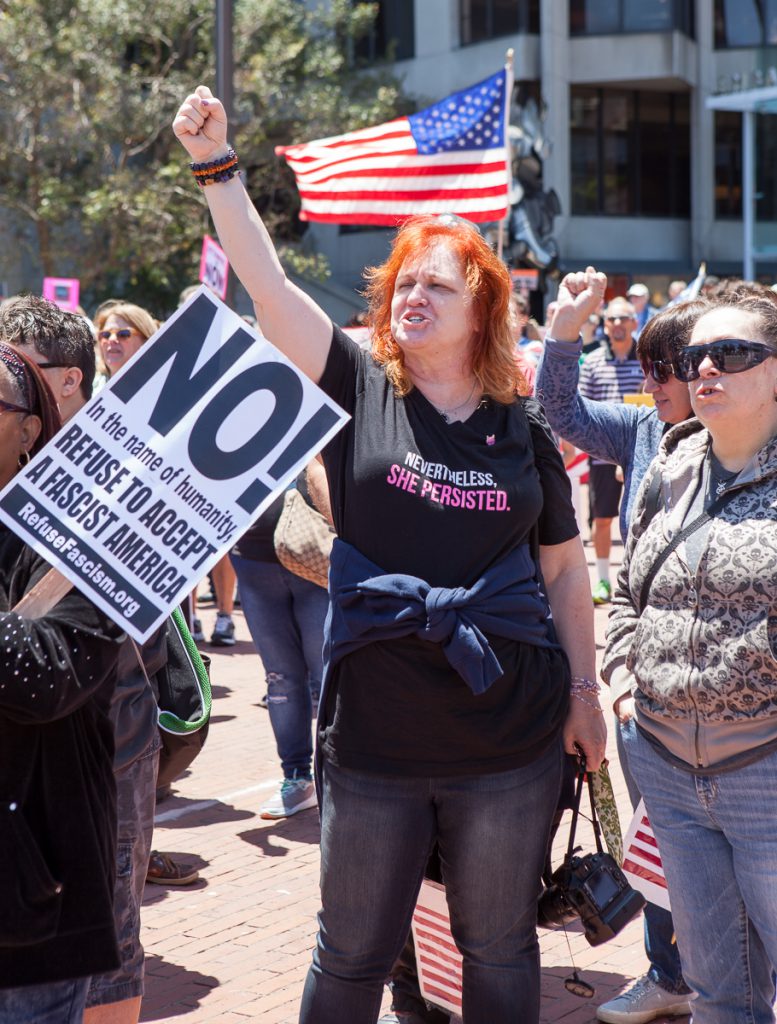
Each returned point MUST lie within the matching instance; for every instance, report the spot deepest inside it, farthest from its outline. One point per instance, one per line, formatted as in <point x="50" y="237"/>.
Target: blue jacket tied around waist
<point x="368" y="605"/>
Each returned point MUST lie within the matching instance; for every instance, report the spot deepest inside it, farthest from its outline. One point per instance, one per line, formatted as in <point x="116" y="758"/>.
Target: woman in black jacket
<point x="57" y="799"/>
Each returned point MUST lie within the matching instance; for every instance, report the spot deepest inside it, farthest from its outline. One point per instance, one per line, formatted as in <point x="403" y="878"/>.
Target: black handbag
<point x="591" y="887"/>
<point x="184" y="700"/>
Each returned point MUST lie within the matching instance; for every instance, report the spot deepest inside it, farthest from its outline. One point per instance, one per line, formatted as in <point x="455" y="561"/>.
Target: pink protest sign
<point x="214" y="266"/>
<point x="63" y="291"/>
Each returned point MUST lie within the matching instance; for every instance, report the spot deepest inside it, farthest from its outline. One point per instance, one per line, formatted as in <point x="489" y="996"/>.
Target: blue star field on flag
<point x="470" y="119"/>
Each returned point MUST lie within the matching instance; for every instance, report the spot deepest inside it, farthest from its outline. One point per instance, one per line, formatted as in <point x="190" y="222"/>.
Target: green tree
<point x="90" y="174"/>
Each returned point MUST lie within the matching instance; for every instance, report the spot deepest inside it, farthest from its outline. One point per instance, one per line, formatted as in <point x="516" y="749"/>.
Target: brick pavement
<point x="235" y="947"/>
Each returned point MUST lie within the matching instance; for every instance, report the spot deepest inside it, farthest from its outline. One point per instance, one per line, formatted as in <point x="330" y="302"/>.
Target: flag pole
<point x="509" y="80"/>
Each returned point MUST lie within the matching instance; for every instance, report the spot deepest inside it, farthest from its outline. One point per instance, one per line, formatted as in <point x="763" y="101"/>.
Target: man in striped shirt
<point x="609" y="373"/>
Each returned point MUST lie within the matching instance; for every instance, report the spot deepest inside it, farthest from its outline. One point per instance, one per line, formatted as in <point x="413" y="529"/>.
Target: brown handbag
<point x="303" y="539"/>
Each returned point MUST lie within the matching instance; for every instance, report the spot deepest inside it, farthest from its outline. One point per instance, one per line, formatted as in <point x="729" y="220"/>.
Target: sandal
<point x="163" y="870"/>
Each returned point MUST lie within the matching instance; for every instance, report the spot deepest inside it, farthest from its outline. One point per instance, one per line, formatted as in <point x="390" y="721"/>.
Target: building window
<point x="487" y="19"/>
<point x="728" y="166"/>
<point x="392" y="36"/>
<point x="745" y="23"/>
<point x="617" y="137"/>
<point x="608" y="17"/>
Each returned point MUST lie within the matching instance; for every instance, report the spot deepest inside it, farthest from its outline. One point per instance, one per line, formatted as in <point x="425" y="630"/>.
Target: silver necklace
<point x="720" y="478"/>
<point x="448" y="414"/>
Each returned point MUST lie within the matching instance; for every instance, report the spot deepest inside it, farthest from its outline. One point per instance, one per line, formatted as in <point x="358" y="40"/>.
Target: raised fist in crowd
<point x="201" y="126"/>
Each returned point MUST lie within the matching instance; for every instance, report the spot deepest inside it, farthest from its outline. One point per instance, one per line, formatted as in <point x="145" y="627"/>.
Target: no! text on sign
<point x="214" y="266"/>
<point x="162" y="471"/>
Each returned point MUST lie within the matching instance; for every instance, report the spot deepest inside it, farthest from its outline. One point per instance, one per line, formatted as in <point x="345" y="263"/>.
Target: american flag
<point x="438" y="961"/>
<point x="448" y="158"/>
<point x="642" y="861"/>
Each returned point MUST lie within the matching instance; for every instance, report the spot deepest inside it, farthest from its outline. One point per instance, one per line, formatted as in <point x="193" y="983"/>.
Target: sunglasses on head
<point x="659" y="370"/>
<point x="122" y="334"/>
<point x="11" y="407"/>
<point x="730" y="355"/>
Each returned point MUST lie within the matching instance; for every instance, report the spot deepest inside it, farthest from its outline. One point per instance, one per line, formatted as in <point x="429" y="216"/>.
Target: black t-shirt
<point x="441" y="501"/>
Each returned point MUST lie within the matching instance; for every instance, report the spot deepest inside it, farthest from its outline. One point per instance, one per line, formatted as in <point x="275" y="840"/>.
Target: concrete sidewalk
<point x="235" y="947"/>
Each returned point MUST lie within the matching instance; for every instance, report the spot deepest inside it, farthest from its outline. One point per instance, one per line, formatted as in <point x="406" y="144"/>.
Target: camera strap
<point x="582" y="777"/>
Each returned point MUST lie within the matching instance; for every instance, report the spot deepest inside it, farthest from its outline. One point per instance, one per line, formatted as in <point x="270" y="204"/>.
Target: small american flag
<point x="448" y="158"/>
<point x="438" y="960"/>
<point x="642" y="861"/>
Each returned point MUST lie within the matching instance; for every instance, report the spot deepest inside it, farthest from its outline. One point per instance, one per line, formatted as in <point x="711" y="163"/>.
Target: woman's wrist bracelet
<point x="223" y="169"/>
<point x="590" y="703"/>
<point x="582" y="684"/>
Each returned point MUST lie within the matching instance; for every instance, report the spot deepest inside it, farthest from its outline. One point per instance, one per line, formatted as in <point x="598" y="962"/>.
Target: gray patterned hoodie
<point x="701" y="660"/>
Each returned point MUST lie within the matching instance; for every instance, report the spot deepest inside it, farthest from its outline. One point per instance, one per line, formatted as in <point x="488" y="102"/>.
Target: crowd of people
<point x="432" y="700"/>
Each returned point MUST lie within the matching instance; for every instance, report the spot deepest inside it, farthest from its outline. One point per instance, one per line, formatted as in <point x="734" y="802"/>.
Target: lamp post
<point x="225" y="88"/>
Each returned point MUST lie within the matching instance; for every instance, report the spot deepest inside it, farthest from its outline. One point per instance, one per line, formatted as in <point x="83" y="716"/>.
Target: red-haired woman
<point x="446" y="707"/>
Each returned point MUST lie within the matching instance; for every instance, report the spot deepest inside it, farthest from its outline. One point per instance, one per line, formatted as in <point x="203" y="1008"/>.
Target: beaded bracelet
<point x="582" y="684"/>
<point x="590" y="703"/>
<point x="223" y="169"/>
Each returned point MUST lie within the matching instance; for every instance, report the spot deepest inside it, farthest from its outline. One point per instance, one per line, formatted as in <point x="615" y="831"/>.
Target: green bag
<point x="184" y="701"/>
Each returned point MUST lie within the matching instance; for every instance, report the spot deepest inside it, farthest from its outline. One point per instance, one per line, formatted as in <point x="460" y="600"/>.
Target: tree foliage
<point x="90" y="174"/>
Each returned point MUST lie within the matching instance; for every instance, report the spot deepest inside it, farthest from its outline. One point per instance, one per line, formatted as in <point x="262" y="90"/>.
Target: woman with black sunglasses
<point x="694" y="632"/>
<point x="628" y="436"/>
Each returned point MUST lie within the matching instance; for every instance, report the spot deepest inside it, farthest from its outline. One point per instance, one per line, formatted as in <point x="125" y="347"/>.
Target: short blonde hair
<point x="135" y="316"/>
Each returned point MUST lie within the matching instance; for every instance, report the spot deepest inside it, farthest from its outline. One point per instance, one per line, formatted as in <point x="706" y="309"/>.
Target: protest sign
<point x="642" y="862"/>
<point x="62" y="291"/>
<point x="438" y="959"/>
<point x="161" y="472"/>
<point x="214" y="267"/>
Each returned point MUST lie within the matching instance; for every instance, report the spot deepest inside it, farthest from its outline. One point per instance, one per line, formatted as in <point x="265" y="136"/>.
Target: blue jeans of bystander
<point x="57" y="1002"/>
<point x="660" y="946"/>
<point x="376" y="835"/>
<point x="285" y="615"/>
<point x="718" y="846"/>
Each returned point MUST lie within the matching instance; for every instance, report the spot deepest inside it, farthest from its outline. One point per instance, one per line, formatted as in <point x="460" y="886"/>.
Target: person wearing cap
<point x="639" y="296"/>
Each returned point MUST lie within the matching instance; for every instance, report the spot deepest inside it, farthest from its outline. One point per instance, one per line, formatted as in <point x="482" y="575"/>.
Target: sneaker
<point x="197" y="634"/>
<point x="602" y="592"/>
<point x="403" y="1017"/>
<point x="163" y="870"/>
<point x="645" y="1001"/>
<point x="293" y="795"/>
<point x="223" y="634"/>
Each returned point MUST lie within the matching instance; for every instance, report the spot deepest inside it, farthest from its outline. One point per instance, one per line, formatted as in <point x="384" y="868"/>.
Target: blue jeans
<point x="660" y="946"/>
<point x="285" y="615"/>
<point x="718" y="844"/>
<point x="376" y="835"/>
<point x="57" y="1002"/>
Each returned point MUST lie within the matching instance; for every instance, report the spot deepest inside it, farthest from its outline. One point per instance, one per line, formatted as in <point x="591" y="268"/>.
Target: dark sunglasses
<point x="730" y="355"/>
<point x="659" y="370"/>
<point x="52" y="366"/>
<point x="122" y="333"/>
<point x="10" y="407"/>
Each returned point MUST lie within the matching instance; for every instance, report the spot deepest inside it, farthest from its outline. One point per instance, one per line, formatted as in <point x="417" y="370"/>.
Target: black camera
<point x="594" y="888"/>
<point x="591" y="887"/>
